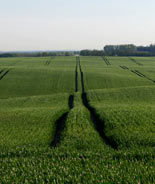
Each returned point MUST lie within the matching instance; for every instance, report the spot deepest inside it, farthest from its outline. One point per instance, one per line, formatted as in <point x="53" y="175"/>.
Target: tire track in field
<point x="48" y="62"/>
<point x="1" y="71"/>
<point x="99" y="124"/>
<point x="138" y="73"/>
<point x="106" y="60"/>
<point x="82" y="80"/>
<point x="134" y="61"/>
<point x="3" y="74"/>
<point x="76" y="75"/>
<point x="61" y="123"/>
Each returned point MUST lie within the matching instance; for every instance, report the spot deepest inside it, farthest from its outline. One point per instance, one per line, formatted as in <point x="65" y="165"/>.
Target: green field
<point x="77" y="120"/>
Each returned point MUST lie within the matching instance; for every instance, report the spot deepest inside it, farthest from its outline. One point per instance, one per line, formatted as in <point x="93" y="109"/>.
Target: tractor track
<point x="138" y="73"/>
<point x="5" y="71"/>
<point x="134" y="61"/>
<point x="82" y="80"/>
<point x="1" y="71"/>
<point x="76" y="76"/>
<point x="61" y="123"/>
<point x="48" y="62"/>
<point x="4" y="74"/>
<point x="106" y="60"/>
<point x="98" y="123"/>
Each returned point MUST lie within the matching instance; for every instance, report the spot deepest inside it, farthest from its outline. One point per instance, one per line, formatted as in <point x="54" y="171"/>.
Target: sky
<point x="75" y="24"/>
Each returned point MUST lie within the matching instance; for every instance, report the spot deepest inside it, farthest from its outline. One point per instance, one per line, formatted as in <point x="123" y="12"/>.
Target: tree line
<point x="38" y="54"/>
<point x="108" y="50"/>
<point x="121" y="50"/>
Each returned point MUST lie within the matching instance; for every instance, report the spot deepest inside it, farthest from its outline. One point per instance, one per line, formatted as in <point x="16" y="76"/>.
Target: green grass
<point x="34" y="95"/>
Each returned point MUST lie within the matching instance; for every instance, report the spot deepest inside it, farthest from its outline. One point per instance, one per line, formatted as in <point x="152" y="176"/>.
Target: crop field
<point x="73" y="119"/>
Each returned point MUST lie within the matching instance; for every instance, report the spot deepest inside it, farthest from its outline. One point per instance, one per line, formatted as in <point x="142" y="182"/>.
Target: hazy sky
<point x="75" y="24"/>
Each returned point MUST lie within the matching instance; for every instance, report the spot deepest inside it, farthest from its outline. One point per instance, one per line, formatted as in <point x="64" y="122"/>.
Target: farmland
<point x="77" y="120"/>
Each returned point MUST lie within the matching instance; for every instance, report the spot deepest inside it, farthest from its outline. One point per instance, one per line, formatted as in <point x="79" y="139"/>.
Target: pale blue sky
<point x="75" y="24"/>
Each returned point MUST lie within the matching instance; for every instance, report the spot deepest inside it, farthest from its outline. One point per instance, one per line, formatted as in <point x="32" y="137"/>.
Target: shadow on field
<point x="60" y="124"/>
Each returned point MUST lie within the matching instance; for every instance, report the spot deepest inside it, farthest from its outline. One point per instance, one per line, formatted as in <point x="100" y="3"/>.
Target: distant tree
<point x="120" y="49"/>
<point x="45" y="54"/>
<point x="67" y="54"/>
